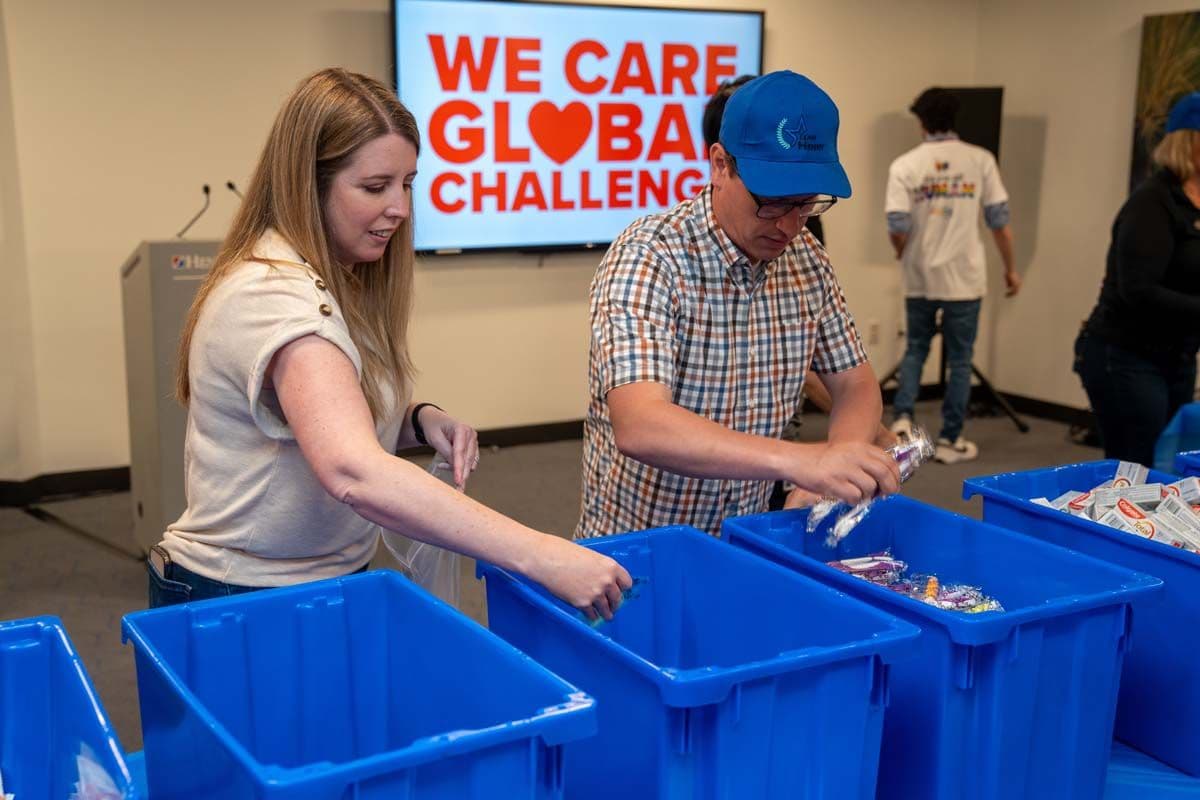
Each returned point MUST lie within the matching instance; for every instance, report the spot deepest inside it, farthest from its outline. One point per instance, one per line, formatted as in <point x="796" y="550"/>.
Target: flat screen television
<point x="554" y="125"/>
<point x="980" y="114"/>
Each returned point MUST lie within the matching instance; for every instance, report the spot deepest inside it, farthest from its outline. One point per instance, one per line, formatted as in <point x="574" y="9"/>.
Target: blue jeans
<point x="1133" y="395"/>
<point x="181" y="585"/>
<point x="960" y="321"/>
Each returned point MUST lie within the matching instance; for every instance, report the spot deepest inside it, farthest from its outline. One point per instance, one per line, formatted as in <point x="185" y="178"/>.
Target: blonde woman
<point x="294" y="367"/>
<point x="1136" y="354"/>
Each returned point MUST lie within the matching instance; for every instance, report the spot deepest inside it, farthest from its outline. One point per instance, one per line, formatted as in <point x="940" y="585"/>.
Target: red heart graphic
<point x="560" y="133"/>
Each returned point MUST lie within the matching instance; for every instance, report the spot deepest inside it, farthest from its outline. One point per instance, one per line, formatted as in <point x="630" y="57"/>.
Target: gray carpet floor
<point x="77" y="558"/>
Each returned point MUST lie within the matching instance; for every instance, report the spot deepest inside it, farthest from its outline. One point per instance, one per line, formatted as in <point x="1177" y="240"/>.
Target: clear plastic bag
<point x="436" y="570"/>
<point x="909" y="455"/>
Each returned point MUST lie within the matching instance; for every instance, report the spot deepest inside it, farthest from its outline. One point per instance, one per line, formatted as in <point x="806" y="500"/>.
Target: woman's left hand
<point x="454" y="441"/>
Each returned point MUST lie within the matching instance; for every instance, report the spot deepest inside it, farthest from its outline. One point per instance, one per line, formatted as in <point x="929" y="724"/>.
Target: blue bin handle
<point x="1125" y="635"/>
<point x="880" y="693"/>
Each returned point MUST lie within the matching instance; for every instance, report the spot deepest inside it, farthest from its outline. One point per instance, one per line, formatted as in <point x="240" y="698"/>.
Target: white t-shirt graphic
<point x="942" y="184"/>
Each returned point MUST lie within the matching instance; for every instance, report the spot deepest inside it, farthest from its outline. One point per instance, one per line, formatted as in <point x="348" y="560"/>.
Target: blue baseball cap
<point x="782" y="130"/>
<point x="1185" y="114"/>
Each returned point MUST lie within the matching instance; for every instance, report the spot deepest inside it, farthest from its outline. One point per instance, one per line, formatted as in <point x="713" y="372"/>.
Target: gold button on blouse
<point x="320" y="284"/>
<point x="325" y="309"/>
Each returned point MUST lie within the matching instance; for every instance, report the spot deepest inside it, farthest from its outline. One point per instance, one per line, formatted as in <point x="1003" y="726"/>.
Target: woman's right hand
<point x="589" y="581"/>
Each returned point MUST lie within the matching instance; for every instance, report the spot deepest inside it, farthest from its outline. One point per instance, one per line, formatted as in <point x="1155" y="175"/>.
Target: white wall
<point x="1070" y="72"/>
<point x="122" y="109"/>
<point x="113" y="114"/>
<point x="18" y="412"/>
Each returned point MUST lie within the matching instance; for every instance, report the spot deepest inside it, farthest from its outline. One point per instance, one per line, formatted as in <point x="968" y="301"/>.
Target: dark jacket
<point x="1150" y="300"/>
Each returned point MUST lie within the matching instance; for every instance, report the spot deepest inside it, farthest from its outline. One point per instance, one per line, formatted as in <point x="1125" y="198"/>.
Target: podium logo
<point x="191" y="263"/>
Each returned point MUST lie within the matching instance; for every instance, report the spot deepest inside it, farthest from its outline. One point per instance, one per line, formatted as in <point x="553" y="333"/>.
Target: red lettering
<point x="515" y="64"/>
<point x="714" y="68"/>
<point x="479" y="191"/>
<point x="529" y="193"/>
<point x="646" y="185"/>
<point x="585" y="198"/>
<point x="505" y="152"/>
<point x="470" y="139"/>
<point x="435" y="192"/>
<point x="578" y="50"/>
<point x="682" y="191"/>
<point x="558" y="203"/>
<point x="673" y="71"/>
<point x="620" y="188"/>
<point x="634" y="70"/>
<point x="450" y="75"/>
<point x="672" y="135"/>
<point x="619" y="122"/>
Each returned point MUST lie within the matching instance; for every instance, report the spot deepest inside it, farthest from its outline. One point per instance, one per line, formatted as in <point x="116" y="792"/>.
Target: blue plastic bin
<point x="1159" y="708"/>
<point x="1182" y="434"/>
<point x="363" y="687"/>
<point x="50" y="715"/>
<point x="726" y="678"/>
<point x="1136" y="776"/>
<point x="1188" y="463"/>
<point x="999" y="705"/>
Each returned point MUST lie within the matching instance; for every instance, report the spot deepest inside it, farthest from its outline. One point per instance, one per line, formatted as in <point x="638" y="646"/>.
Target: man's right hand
<point x="1012" y="283"/>
<point x="589" y="581"/>
<point x="851" y="471"/>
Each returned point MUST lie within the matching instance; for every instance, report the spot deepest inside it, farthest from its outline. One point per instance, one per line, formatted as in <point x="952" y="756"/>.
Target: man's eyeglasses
<point x="776" y="207"/>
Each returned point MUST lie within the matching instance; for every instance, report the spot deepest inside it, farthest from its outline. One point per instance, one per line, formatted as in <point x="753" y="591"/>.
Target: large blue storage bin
<point x="363" y="687"/>
<point x="996" y="706"/>
<point x="726" y="678"/>
<point x="1188" y="463"/>
<point x="49" y="712"/>
<point x="1133" y="775"/>
<point x="1182" y="434"/>
<point x="1159" y="708"/>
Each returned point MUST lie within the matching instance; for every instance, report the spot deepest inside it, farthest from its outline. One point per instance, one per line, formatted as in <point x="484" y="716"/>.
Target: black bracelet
<point x="418" y="431"/>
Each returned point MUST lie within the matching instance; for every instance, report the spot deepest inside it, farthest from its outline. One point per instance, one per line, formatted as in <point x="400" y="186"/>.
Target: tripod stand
<point x="984" y="383"/>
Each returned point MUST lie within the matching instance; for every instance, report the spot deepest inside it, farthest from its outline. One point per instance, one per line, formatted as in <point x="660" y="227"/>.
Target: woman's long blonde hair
<point x="319" y="129"/>
<point x="1177" y="152"/>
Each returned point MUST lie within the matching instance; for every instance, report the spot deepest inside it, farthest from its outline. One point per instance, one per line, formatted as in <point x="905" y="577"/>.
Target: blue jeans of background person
<point x="960" y="322"/>
<point x="1133" y="395"/>
<point x="181" y="585"/>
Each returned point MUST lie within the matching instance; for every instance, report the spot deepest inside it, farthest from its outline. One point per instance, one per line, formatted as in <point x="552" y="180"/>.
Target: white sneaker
<point x="949" y="452"/>
<point x="902" y="429"/>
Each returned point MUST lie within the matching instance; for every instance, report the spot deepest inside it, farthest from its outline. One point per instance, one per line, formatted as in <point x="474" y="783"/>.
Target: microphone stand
<point x="192" y="221"/>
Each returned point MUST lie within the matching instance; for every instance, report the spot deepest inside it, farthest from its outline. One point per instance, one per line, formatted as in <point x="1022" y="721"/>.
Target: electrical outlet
<point x="873" y="331"/>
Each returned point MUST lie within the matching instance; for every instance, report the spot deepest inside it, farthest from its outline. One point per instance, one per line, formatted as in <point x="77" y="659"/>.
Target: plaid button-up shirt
<point x="675" y="302"/>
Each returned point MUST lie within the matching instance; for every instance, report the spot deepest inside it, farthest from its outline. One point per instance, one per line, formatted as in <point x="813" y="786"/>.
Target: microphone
<point x="229" y="185"/>
<point x="192" y="221"/>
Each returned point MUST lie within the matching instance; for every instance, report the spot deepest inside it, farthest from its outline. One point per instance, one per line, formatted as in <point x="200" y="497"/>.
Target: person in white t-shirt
<point x="935" y="194"/>
<point x="295" y="369"/>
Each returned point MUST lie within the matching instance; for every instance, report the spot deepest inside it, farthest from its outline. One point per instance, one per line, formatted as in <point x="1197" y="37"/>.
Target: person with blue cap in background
<point x="704" y="319"/>
<point x="1136" y="353"/>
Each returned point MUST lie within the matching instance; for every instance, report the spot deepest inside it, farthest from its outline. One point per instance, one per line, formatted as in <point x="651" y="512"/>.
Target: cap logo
<point x="787" y="137"/>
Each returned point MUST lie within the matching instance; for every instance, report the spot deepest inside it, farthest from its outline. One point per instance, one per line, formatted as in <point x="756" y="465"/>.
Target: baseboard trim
<point x="522" y="434"/>
<point x="56" y="485"/>
<point x="63" y="484"/>
<point x="532" y="434"/>
<point x="1053" y="412"/>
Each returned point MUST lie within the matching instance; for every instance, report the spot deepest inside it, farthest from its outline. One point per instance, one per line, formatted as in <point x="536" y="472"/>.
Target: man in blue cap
<point x="704" y="319"/>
